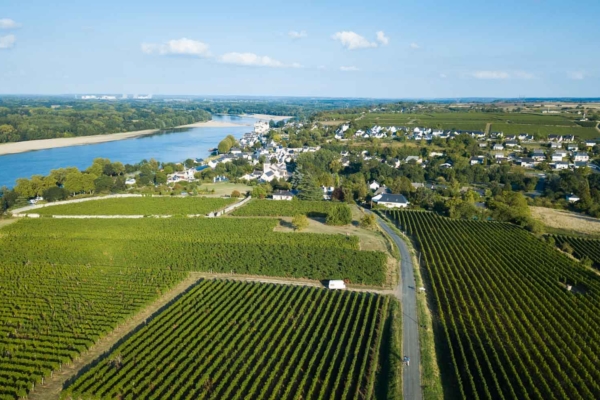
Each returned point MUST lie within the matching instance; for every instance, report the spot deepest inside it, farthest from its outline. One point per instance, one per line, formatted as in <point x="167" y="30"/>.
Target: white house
<point x="571" y="198"/>
<point x="374" y="185"/>
<point x="130" y="181"/>
<point x="392" y="201"/>
<point x="590" y="143"/>
<point x="283" y="195"/>
<point x="561" y="165"/>
<point x="498" y="147"/>
<point x="187" y="175"/>
<point x="416" y="159"/>
<point x="580" y="156"/>
<point x="327" y="192"/>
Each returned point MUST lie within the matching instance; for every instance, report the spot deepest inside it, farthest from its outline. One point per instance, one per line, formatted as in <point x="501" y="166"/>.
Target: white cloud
<point x="183" y="47"/>
<point x="352" y="41"/>
<point x="381" y="38"/>
<point x="8" y="41"/>
<point x="254" y="60"/>
<point x="576" y="75"/>
<point x="523" y="75"/>
<point x="501" y="75"/>
<point x="491" y="75"/>
<point x="349" y="69"/>
<point x="321" y="67"/>
<point x="413" y="45"/>
<point x="297" y="35"/>
<point x="6" y="23"/>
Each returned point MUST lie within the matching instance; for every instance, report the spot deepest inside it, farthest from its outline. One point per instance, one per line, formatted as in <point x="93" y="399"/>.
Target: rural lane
<point x="406" y="292"/>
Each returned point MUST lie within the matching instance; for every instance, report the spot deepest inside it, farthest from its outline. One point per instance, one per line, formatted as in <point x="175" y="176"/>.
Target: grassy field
<point x="138" y="206"/>
<point x="567" y="222"/>
<point x="235" y="340"/>
<point x="545" y="130"/>
<point x="491" y="283"/>
<point x="224" y="188"/>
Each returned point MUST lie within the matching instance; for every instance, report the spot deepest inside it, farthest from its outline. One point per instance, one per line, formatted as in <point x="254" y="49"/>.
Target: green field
<point x="138" y="206"/>
<point x="49" y="314"/>
<point x="509" y="123"/>
<point x="270" y="208"/>
<point x="582" y="247"/>
<point x="235" y="340"/>
<point x="243" y="246"/>
<point x="506" y="325"/>
<point x="545" y="130"/>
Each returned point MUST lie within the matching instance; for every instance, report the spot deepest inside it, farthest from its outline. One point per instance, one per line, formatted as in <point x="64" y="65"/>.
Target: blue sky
<point x="395" y="49"/>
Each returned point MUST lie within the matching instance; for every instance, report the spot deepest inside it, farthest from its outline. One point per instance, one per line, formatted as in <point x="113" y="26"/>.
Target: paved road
<point x="407" y="294"/>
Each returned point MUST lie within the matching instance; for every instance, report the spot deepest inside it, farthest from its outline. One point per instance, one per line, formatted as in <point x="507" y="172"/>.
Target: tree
<point x="368" y="221"/>
<point x="300" y="222"/>
<point x="55" y="194"/>
<point x="226" y="144"/>
<point x="309" y="190"/>
<point x="235" y="194"/>
<point x="103" y="184"/>
<point x="567" y="248"/>
<point x="24" y="188"/>
<point x="160" y="178"/>
<point x="340" y="214"/>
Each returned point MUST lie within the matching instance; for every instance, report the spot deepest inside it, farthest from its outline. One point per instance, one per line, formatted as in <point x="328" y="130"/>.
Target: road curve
<point x="407" y="294"/>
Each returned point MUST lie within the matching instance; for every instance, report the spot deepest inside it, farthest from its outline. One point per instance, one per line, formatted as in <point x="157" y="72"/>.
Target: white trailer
<point x="336" y="284"/>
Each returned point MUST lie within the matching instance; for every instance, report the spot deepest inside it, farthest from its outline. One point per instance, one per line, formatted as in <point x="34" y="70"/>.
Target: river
<point x="173" y="145"/>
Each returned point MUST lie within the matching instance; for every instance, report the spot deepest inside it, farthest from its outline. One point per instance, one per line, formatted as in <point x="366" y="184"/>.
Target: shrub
<point x="339" y="215"/>
<point x="300" y="222"/>
<point x="235" y="194"/>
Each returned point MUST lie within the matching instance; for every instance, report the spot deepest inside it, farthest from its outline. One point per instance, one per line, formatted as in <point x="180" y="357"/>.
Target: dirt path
<point x="488" y="126"/>
<point x="598" y="126"/>
<point x="52" y="388"/>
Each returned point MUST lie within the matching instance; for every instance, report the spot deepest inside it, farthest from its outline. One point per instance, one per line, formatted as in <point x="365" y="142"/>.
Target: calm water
<point x="169" y="146"/>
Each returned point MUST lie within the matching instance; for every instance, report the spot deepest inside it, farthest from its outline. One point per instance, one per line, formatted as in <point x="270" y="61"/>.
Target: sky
<point x="380" y="49"/>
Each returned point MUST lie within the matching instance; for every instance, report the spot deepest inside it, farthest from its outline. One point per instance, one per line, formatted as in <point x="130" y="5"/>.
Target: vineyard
<point x="235" y="340"/>
<point x="507" y="322"/>
<point x="582" y="247"/>
<point x="243" y="246"/>
<point x="139" y="206"/>
<point x="49" y="314"/>
<point x="270" y="208"/>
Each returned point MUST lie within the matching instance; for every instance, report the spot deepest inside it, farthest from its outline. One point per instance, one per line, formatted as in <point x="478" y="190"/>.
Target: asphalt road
<point x="407" y="293"/>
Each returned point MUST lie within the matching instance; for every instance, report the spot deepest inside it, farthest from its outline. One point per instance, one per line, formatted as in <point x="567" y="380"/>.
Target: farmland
<point x="509" y="123"/>
<point x="242" y="246"/>
<point x="270" y="208"/>
<point x="138" y="206"/>
<point x="504" y="319"/>
<point x="545" y="130"/>
<point x="51" y="313"/>
<point x="582" y="247"/>
<point x="231" y="340"/>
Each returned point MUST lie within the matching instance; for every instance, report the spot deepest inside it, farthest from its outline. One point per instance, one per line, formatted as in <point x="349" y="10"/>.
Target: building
<point x="374" y="185"/>
<point x="571" y="198"/>
<point x="581" y="156"/>
<point x="283" y="195"/>
<point x="392" y="201"/>
<point x="261" y="127"/>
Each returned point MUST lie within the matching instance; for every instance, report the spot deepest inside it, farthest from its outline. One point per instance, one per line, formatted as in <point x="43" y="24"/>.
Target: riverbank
<point x="32" y="145"/>
<point x="267" y="117"/>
